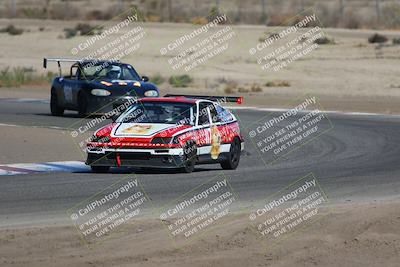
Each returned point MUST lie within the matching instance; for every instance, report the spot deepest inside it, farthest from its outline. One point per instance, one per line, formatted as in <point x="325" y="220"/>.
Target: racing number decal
<point x="68" y="94"/>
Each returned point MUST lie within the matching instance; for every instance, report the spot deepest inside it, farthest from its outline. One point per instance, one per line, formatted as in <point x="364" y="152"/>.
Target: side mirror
<point x="145" y="78"/>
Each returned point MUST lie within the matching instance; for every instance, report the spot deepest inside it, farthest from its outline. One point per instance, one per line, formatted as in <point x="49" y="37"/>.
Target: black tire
<point x="234" y="156"/>
<point x="189" y="157"/>
<point x="100" y="169"/>
<point x="82" y="105"/>
<point x="55" y="109"/>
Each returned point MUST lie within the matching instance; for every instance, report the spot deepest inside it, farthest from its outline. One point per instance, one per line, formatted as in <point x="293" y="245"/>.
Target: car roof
<point x="179" y="99"/>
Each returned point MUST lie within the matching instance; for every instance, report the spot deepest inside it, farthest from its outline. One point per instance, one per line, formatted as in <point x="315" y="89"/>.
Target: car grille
<point x="130" y="156"/>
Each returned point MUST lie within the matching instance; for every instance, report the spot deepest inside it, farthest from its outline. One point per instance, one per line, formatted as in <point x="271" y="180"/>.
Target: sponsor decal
<point x="106" y="83"/>
<point x="215" y="142"/>
<point x="68" y="93"/>
<point x="137" y="129"/>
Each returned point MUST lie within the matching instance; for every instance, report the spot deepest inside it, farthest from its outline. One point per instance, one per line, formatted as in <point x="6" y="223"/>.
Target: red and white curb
<point x="26" y="100"/>
<point x="31" y="168"/>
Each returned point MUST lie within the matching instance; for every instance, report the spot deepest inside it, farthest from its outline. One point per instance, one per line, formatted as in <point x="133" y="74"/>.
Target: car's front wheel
<point x="100" y="169"/>
<point x="233" y="159"/>
<point x="189" y="157"/>
<point x="55" y="109"/>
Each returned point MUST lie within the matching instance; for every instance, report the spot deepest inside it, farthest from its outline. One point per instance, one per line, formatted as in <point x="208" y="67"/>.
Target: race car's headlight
<point x="161" y="140"/>
<point x="151" y="93"/>
<point x="100" y="92"/>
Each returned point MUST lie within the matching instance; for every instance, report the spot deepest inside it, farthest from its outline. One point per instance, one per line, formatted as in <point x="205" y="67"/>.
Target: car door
<point x="218" y="132"/>
<point x="203" y="132"/>
<point x="227" y="125"/>
<point x="71" y="86"/>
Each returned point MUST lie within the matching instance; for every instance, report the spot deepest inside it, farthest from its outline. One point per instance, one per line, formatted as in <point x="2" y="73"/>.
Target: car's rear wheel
<point x="233" y="159"/>
<point x="55" y="109"/>
<point x="100" y="169"/>
<point x="82" y="105"/>
<point x="189" y="157"/>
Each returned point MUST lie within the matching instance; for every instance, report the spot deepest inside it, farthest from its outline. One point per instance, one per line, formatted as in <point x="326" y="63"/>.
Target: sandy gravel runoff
<point x="350" y="75"/>
<point x="349" y="235"/>
<point x="28" y="145"/>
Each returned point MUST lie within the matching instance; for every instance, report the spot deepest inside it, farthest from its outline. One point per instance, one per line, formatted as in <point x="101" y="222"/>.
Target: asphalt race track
<point x="359" y="159"/>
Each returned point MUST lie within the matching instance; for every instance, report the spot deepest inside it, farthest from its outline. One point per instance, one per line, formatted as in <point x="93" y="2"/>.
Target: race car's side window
<point x="223" y="114"/>
<point x="203" y="113"/>
<point x="214" y="114"/>
<point x="74" y="72"/>
<point x="126" y="74"/>
<point x="192" y="115"/>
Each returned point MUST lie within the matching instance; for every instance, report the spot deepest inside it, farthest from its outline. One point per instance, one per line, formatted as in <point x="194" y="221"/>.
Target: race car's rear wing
<point x="59" y="60"/>
<point x="220" y="99"/>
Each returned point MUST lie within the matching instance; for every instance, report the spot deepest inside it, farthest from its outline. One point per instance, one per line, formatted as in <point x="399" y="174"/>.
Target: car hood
<point x="146" y="130"/>
<point x="122" y="87"/>
<point x="117" y="82"/>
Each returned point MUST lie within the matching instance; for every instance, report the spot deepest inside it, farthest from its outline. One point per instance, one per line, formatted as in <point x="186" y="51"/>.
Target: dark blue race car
<point x="97" y="87"/>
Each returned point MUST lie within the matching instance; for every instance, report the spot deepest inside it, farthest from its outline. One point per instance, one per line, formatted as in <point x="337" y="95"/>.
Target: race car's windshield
<point x="109" y="71"/>
<point x="160" y="112"/>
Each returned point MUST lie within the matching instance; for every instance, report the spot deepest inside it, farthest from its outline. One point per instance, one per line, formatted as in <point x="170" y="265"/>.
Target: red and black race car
<point x="169" y="132"/>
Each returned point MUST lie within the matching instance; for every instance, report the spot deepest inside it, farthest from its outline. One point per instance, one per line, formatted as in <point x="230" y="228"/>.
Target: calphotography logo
<point x="278" y="134"/>
<point x="82" y="132"/>
<point x="200" y="133"/>
<point x="118" y="38"/>
<point x="195" y="48"/>
<point x="198" y="210"/>
<point x="106" y="212"/>
<point x="293" y="207"/>
<point x="282" y="47"/>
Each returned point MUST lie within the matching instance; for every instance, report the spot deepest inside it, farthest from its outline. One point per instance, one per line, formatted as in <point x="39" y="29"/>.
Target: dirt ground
<point x="348" y="235"/>
<point x="26" y="145"/>
<point x="351" y="75"/>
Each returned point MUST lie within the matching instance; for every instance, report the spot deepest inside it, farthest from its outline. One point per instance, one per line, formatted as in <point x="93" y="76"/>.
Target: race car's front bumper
<point x="162" y="158"/>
